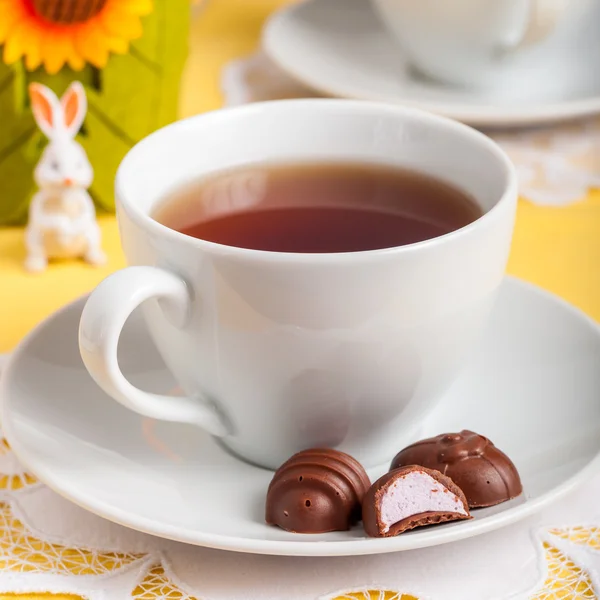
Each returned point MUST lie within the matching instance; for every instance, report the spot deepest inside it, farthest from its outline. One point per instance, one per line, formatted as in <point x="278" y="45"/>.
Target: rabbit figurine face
<point x="63" y="167"/>
<point x="62" y="218"/>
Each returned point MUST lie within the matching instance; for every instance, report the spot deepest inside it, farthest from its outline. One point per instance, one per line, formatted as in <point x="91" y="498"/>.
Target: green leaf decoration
<point x="135" y="94"/>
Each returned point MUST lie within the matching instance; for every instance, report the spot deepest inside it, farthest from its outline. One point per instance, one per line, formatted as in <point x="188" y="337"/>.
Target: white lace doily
<point x="557" y="165"/>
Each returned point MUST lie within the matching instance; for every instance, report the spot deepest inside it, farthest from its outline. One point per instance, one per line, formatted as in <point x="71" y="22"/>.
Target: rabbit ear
<point x="74" y="106"/>
<point x="46" y="108"/>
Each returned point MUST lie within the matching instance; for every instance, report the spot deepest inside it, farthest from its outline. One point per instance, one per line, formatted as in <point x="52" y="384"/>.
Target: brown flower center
<point x="67" y="12"/>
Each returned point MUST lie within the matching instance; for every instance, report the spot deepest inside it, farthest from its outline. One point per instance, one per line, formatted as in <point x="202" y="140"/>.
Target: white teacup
<point x="278" y="352"/>
<point x="478" y="43"/>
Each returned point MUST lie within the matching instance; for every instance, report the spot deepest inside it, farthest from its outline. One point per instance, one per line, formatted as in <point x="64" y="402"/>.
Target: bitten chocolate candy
<point x="317" y="491"/>
<point x="410" y="497"/>
<point x="483" y="472"/>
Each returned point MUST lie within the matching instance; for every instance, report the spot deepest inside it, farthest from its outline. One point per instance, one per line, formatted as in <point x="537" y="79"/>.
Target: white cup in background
<point x="471" y="42"/>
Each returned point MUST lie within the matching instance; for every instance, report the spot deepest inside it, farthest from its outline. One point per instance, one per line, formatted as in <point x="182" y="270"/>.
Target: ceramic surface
<point x="479" y="43"/>
<point x="280" y="351"/>
<point x="340" y="48"/>
<point x="533" y="388"/>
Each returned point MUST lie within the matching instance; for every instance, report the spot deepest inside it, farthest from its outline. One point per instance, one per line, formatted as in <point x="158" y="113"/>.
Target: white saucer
<point x="340" y="48"/>
<point x="533" y="388"/>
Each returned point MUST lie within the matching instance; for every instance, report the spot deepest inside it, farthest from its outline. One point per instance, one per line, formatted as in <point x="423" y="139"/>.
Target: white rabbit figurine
<point x="62" y="218"/>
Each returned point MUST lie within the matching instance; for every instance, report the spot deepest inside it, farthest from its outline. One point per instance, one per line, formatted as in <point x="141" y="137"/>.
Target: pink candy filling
<point x="415" y="493"/>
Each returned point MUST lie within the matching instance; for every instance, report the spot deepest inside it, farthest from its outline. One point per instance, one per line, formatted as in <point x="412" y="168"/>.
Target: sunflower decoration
<point x="55" y="33"/>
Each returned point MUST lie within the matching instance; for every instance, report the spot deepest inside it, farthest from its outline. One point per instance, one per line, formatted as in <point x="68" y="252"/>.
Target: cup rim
<point x="145" y="221"/>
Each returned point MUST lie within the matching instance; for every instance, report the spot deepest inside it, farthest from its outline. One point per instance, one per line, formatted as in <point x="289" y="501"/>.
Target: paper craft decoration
<point x="128" y="55"/>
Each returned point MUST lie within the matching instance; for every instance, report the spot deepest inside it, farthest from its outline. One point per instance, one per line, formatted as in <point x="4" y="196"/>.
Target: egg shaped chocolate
<point x="316" y="491"/>
<point x="483" y="472"/>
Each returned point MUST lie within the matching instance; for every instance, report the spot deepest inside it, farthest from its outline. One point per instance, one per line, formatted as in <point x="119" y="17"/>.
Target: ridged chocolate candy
<point x="411" y="497"/>
<point x="317" y="491"/>
<point x="483" y="472"/>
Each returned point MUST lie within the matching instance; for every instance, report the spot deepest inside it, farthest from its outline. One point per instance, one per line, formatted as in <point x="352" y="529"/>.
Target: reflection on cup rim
<point x="333" y="106"/>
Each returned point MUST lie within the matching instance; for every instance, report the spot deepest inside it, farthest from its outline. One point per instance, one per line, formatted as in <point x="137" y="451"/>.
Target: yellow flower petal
<point x="136" y="7"/>
<point x="119" y="23"/>
<point x="75" y="61"/>
<point x="33" y="34"/>
<point x="33" y="60"/>
<point x="10" y="15"/>
<point x="33" y="53"/>
<point x="55" y="50"/>
<point x="117" y="45"/>
<point x="16" y="44"/>
<point x="91" y="45"/>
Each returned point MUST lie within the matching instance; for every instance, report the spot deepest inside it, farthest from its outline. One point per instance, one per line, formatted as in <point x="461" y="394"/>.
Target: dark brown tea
<point x="323" y="207"/>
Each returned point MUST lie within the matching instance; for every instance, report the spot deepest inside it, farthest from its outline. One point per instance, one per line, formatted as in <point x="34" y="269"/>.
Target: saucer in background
<point x="341" y="49"/>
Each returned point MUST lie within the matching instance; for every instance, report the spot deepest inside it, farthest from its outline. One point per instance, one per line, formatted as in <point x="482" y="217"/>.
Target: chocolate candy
<point x="317" y="491"/>
<point x="410" y="497"/>
<point x="485" y="474"/>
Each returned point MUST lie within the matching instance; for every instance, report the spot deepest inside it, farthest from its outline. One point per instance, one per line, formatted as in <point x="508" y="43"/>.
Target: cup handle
<point x="104" y="315"/>
<point x="542" y="17"/>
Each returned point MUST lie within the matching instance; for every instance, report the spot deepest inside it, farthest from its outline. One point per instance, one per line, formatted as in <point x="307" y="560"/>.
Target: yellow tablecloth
<point x="557" y="248"/>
